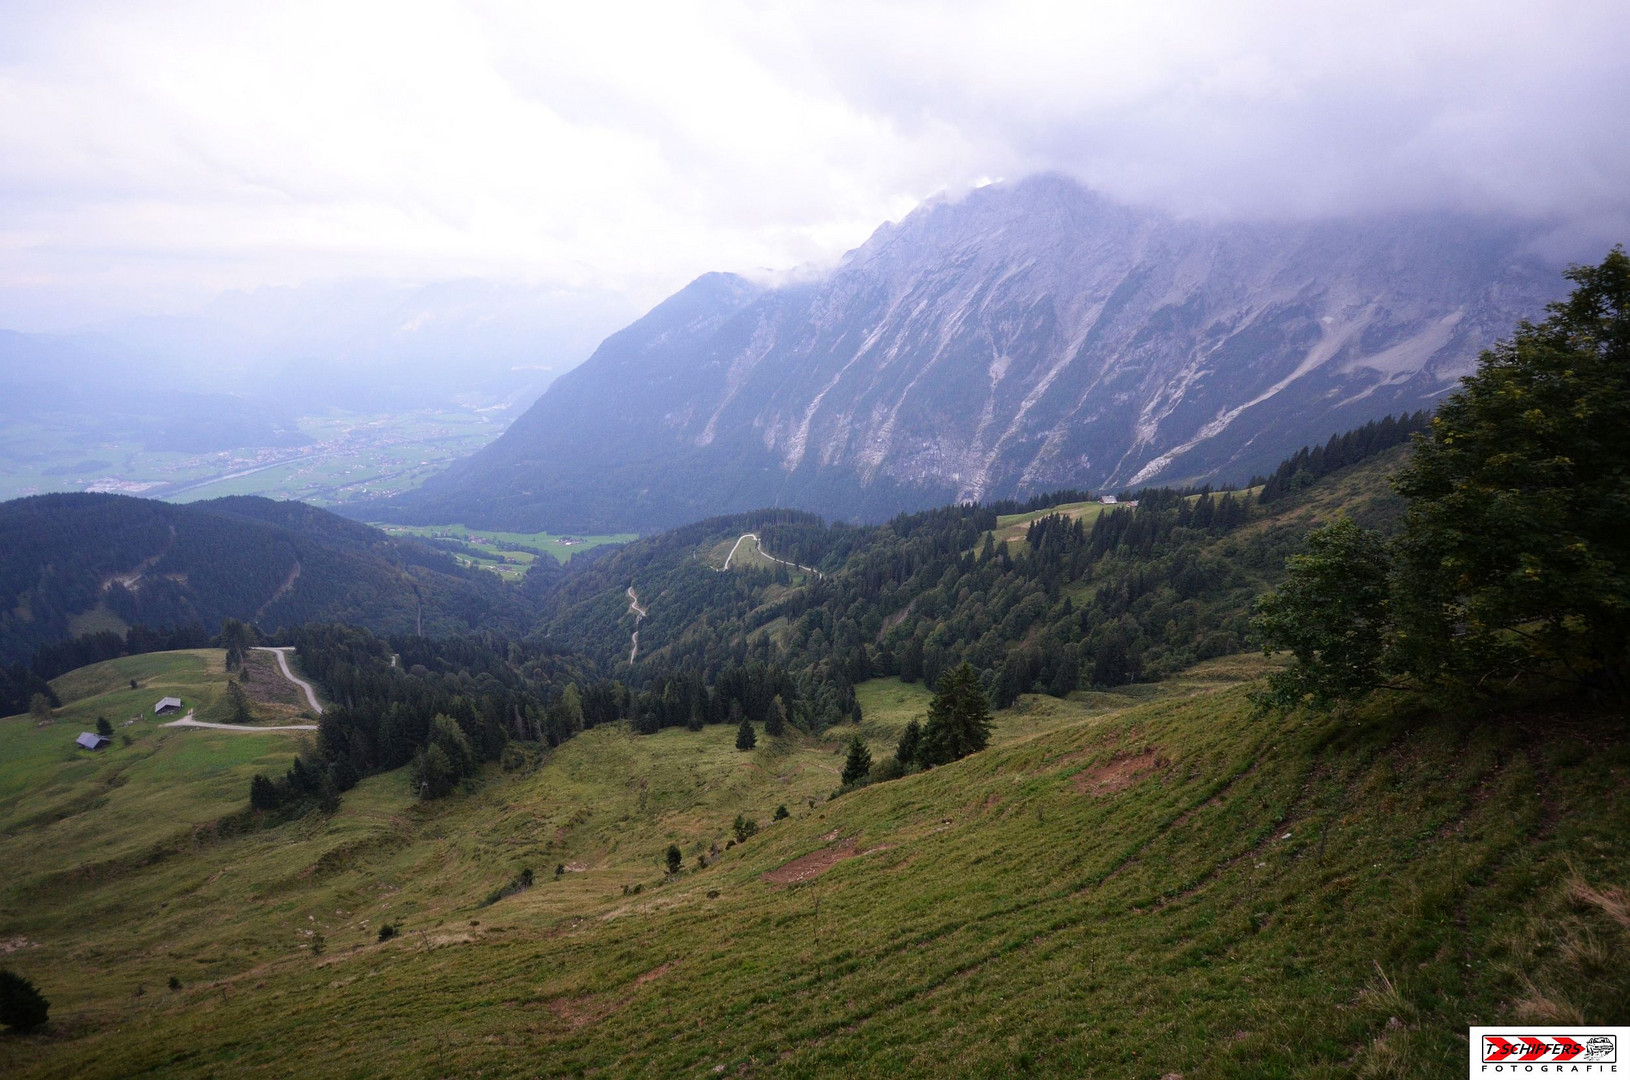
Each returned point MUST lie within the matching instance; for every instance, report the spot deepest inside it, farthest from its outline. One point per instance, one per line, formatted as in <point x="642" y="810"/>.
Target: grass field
<point x="1123" y="885"/>
<point x="506" y="562"/>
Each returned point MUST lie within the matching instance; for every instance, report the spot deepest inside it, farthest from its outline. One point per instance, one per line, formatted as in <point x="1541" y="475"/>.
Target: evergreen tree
<point x="859" y="764"/>
<point x="22" y="1006"/>
<point x="905" y="751"/>
<point x="775" y="720"/>
<point x="746" y="738"/>
<point x="958" y="718"/>
<point x="675" y="858"/>
<point x="239" y="700"/>
<point x="103" y="728"/>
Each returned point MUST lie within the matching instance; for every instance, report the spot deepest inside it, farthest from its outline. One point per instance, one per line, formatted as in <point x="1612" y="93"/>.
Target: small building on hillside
<point x="1107" y="500"/>
<point x="166" y="706"/>
<point x="90" y="740"/>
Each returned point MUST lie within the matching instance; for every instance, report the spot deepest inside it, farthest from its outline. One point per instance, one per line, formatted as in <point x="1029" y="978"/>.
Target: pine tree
<point x="675" y="858"/>
<point x="746" y="738"/>
<point x="22" y="1006"/>
<point x="859" y="764"/>
<point x="775" y="721"/>
<point x="958" y="718"/>
<point x="103" y="728"/>
<point x="905" y="751"/>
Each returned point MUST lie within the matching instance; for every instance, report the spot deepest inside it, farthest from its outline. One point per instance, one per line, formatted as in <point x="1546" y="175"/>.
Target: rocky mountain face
<point x="1028" y="337"/>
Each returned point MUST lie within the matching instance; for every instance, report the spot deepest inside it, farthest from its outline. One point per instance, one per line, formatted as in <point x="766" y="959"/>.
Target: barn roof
<point x="90" y="740"/>
<point x="167" y="703"/>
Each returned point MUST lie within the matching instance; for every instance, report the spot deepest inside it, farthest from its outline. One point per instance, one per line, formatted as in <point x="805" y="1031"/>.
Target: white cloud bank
<point x="152" y="154"/>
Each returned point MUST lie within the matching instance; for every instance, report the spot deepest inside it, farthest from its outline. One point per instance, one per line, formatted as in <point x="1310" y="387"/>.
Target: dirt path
<point x="754" y="538"/>
<point x="639" y="613"/>
<point x="283" y="662"/>
<point x="188" y="721"/>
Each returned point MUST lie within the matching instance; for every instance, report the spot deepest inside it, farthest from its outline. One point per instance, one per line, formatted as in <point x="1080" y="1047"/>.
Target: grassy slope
<point x="1261" y="898"/>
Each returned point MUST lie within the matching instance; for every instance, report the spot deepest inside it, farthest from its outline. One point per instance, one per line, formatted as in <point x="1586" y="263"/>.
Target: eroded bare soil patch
<point x="1118" y="773"/>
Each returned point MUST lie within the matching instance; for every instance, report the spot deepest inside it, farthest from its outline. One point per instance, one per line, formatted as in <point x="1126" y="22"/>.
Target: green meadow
<point x="1123" y="885"/>
<point x="505" y="553"/>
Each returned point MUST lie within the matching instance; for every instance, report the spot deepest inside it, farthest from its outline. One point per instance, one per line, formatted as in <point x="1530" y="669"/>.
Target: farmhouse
<point x="90" y="740"/>
<point x="167" y="705"/>
<point x="1107" y="500"/>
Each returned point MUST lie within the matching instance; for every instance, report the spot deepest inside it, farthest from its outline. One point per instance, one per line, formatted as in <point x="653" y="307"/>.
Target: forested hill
<point x="1051" y="595"/>
<point x="76" y="563"/>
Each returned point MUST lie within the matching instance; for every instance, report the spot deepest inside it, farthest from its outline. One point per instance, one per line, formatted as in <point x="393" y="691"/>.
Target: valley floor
<point x="1124" y="885"/>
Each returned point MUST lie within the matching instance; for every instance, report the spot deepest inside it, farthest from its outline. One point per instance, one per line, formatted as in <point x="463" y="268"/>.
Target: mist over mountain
<point x="1028" y="337"/>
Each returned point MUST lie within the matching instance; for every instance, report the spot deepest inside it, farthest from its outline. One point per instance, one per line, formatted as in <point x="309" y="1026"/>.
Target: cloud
<point x="154" y="153"/>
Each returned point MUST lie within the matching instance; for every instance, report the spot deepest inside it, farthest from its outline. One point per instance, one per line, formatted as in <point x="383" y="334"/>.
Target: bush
<point x="782" y="812"/>
<point x="387" y="931"/>
<point x="316" y="946"/>
<point x="675" y="859"/>
<point x="22" y="1006"/>
<point x="743" y="828"/>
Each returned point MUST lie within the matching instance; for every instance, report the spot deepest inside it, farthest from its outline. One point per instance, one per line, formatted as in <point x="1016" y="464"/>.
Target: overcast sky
<point x="153" y="154"/>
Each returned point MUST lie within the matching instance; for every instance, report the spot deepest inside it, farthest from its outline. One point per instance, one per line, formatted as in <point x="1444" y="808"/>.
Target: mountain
<point x="76" y="563"/>
<point x="1029" y="337"/>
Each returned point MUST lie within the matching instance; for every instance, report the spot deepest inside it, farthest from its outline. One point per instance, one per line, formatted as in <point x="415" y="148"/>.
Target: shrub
<point x="22" y="1006"/>
<point x="674" y="858"/>
<point x="743" y="828"/>
<point x="782" y="812"/>
<point x="387" y="932"/>
<point x="175" y="983"/>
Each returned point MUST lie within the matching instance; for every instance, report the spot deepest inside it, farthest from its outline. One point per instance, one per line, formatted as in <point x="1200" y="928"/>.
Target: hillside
<point x="1124" y="885"/>
<point x="75" y="564"/>
<point x="1041" y="596"/>
<point x="1028" y="337"/>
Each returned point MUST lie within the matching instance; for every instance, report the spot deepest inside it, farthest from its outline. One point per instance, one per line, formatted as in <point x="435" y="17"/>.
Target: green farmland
<point x="507" y="554"/>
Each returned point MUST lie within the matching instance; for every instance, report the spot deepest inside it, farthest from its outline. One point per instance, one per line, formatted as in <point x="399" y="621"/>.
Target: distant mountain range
<point x="77" y="563"/>
<point x="1028" y="337"/>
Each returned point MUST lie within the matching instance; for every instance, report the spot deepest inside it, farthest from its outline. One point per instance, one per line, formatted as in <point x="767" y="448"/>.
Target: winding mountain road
<point x="639" y="613"/>
<point x="754" y="538"/>
<point x="283" y="662"/>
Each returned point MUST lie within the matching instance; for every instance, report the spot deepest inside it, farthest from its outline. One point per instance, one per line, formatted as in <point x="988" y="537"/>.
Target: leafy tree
<point x="958" y="718"/>
<point x="1514" y="555"/>
<point x="22" y="1006"/>
<point x="1516" y="548"/>
<point x="859" y="763"/>
<point x="905" y="751"/>
<point x="675" y="859"/>
<point x="434" y="774"/>
<point x="103" y="728"/>
<point x="1331" y="613"/>
<point x="39" y="707"/>
<point x="745" y="737"/>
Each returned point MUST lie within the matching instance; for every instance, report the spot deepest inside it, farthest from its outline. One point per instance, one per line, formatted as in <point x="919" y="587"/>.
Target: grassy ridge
<point x="1123" y="885"/>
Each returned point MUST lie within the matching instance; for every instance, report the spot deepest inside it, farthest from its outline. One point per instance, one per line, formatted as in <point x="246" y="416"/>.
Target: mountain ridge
<point x="1028" y="337"/>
